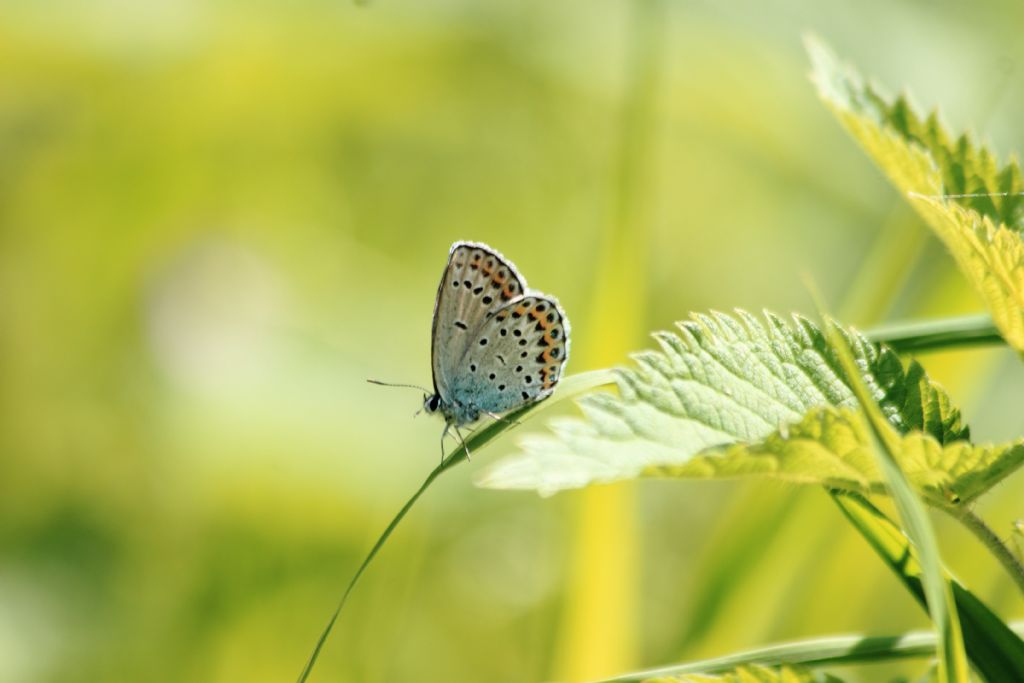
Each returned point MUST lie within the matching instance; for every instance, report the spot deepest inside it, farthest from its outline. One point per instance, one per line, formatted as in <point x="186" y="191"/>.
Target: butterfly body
<point x="496" y="345"/>
<point x="459" y="411"/>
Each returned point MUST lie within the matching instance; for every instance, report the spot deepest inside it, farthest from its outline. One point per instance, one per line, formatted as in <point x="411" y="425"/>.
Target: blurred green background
<point x="217" y="219"/>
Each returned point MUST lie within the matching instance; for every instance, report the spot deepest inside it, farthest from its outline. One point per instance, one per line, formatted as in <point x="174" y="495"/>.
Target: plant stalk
<point x="366" y="563"/>
<point x="934" y="335"/>
<point x="813" y="652"/>
<point x="976" y="525"/>
<point x="570" y="387"/>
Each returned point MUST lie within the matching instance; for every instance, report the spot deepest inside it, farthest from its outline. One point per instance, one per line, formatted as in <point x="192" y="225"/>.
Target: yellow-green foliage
<point x="832" y="447"/>
<point x="218" y="219"/>
<point x="740" y="396"/>
<point x="982" y="230"/>
<point x="748" y="674"/>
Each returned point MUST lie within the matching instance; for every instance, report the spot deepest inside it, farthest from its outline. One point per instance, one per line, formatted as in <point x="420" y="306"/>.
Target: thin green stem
<point x="933" y="335"/>
<point x="976" y="525"/>
<point x="366" y="562"/>
<point x="570" y="387"/>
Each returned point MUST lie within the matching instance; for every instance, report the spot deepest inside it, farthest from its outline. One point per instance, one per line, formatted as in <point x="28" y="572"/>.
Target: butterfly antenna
<point x="407" y="386"/>
<point x="499" y="418"/>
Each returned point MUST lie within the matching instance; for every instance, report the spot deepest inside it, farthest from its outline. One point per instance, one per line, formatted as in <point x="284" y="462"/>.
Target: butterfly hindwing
<point x="476" y="281"/>
<point x="515" y="357"/>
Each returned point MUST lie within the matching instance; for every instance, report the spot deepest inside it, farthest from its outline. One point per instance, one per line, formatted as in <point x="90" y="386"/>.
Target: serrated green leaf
<point x="722" y="380"/>
<point x="974" y="206"/>
<point x="832" y="446"/>
<point x="750" y="674"/>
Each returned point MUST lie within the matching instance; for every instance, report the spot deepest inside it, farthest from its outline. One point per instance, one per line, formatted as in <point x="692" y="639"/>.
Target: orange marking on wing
<point x="541" y="315"/>
<point x="549" y="357"/>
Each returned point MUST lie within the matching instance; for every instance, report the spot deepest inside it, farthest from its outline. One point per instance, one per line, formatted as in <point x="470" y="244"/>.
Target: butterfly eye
<point x="432" y="403"/>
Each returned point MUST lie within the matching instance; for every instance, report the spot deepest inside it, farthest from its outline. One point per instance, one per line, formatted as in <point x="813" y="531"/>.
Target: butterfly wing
<point x="516" y="355"/>
<point x="477" y="281"/>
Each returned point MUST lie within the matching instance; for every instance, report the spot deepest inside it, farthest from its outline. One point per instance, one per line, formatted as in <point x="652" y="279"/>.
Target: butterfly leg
<point x="499" y="418"/>
<point x="447" y="426"/>
<point x="464" y="446"/>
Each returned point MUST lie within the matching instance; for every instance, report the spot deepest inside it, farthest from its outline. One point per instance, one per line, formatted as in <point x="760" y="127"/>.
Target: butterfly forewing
<point x="476" y="281"/>
<point x="516" y="356"/>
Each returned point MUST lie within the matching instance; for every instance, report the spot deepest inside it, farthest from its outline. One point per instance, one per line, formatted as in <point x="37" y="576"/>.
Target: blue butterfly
<point x="496" y="345"/>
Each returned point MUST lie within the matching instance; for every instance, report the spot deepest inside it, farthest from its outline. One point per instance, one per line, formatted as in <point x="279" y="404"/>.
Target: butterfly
<point x="496" y="345"/>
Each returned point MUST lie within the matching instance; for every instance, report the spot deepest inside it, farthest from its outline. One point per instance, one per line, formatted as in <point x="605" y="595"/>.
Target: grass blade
<point x="569" y="387"/>
<point x="996" y="652"/>
<point x="813" y="652"/>
<point x="941" y="607"/>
